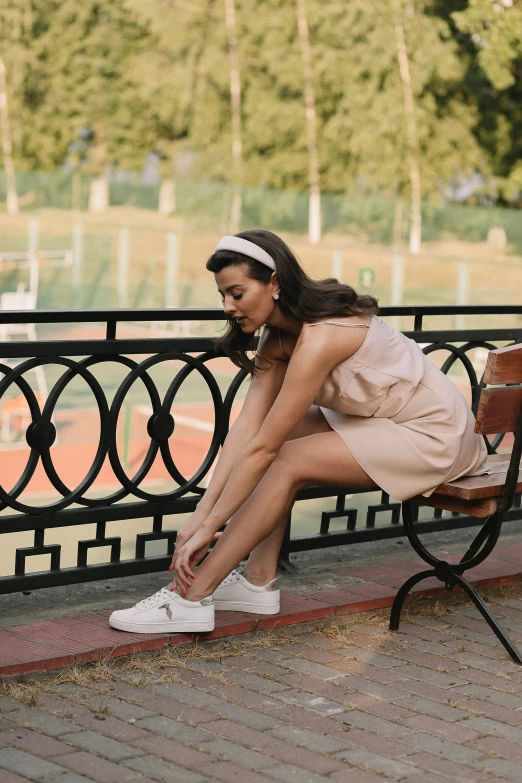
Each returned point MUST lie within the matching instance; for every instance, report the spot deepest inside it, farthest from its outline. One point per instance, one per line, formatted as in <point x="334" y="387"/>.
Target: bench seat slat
<point x="476" y="508"/>
<point x="478" y="487"/>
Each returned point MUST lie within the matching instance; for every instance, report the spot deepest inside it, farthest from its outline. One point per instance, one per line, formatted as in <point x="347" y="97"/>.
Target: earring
<point x="276" y="296"/>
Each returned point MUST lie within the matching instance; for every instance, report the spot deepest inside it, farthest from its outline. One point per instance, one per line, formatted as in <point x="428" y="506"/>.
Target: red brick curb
<point x="55" y="643"/>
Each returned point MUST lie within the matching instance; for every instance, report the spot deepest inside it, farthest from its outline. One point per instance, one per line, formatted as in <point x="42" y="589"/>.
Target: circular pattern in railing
<point x="40" y="434"/>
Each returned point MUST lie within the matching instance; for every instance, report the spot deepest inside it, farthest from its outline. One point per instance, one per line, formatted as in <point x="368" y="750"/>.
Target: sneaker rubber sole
<point x="180" y="626"/>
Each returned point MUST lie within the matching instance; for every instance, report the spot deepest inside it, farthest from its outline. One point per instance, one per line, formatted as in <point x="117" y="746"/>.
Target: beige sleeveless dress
<point x="403" y="420"/>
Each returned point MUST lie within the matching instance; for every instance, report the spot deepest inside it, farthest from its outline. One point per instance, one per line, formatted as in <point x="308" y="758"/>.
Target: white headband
<point x="246" y="248"/>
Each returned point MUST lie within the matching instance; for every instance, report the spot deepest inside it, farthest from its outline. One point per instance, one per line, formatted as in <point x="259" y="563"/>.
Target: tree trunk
<point x="7" y="147"/>
<point x="235" y="104"/>
<point x="314" y="213"/>
<point x="167" y="197"/>
<point x="411" y="131"/>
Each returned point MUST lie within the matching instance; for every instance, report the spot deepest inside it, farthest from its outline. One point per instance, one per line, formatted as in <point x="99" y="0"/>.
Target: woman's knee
<point x="286" y="467"/>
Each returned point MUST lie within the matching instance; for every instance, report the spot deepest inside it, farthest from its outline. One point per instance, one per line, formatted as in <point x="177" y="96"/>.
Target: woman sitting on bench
<point x="360" y="407"/>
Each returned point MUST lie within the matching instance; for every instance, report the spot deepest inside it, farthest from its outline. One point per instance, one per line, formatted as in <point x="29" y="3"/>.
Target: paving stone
<point x="120" y="709"/>
<point x="381" y="709"/>
<point x="174" y="729"/>
<point x="485" y="709"/>
<point x="507" y="750"/>
<point x="449" y="769"/>
<point x="27" y="765"/>
<point x="42" y="721"/>
<point x="312" y="653"/>
<point x="61" y="706"/>
<point x="317" y="640"/>
<point x="480" y="662"/>
<point x="164" y="705"/>
<point x="191" y="696"/>
<point x="443" y="748"/>
<point x="299" y="716"/>
<point x="432" y="677"/>
<point x="316" y="703"/>
<point x="377" y="674"/>
<point x="326" y="689"/>
<point x="360" y="685"/>
<point x="255" y="683"/>
<point x="390" y="768"/>
<point x="441" y="728"/>
<point x="355" y="775"/>
<point x="369" y="656"/>
<point x="487" y="726"/>
<point x="309" y="739"/>
<point x="237" y="754"/>
<point x="290" y="754"/>
<point x="508" y="700"/>
<point x="230" y="773"/>
<point x="426" y="691"/>
<point x="68" y="777"/>
<point x="505" y="769"/>
<point x="164" y="771"/>
<point x="255" y="666"/>
<point x="367" y="739"/>
<point x="433" y="709"/>
<point x="288" y="773"/>
<point x="109" y="748"/>
<point x="386" y="728"/>
<point x="171" y="750"/>
<point x="32" y="742"/>
<point x="7" y="704"/>
<point x="315" y="669"/>
<point x="248" y="717"/>
<point x="111" y="727"/>
<point x="98" y="769"/>
<point x="504" y="683"/>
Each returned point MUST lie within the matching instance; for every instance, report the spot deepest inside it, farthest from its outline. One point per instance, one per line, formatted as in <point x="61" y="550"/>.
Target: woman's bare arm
<point x="260" y="397"/>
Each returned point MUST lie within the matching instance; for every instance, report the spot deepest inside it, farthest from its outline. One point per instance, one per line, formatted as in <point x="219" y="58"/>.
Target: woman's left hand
<point x="189" y="555"/>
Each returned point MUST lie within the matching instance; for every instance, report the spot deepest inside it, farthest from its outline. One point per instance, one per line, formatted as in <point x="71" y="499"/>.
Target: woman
<point x="360" y="406"/>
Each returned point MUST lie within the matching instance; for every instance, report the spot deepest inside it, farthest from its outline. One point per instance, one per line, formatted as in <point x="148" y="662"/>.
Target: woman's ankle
<point x="259" y="577"/>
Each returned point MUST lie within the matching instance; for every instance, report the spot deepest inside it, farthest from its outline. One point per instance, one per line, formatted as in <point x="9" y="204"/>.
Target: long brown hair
<point x="300" y="297"/>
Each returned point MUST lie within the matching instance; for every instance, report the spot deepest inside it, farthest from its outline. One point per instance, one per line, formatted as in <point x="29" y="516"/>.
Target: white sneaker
<point x="237" y="594"/>
<point x="165" y="612"/>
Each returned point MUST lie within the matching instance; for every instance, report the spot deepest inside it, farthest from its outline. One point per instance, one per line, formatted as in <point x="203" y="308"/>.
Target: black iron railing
<point x="134" y="499"/>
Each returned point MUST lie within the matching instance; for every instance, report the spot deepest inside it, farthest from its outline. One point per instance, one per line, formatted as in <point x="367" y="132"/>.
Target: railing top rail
<point x="217" y="314"/>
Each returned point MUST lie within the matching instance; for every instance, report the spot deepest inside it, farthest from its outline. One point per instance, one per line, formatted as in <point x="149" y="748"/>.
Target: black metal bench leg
<point x="395" y="615"/>
<point x="489" y="617"/>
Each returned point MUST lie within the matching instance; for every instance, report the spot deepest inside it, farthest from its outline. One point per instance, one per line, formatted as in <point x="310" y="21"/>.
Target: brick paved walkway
<point x="340" y="699"/>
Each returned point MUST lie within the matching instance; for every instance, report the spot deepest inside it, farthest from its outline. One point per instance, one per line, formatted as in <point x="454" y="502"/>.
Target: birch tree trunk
<point x="314" y="208"/>
<point x="235" y="104"/>
<point x="7" y="147"/>
<point x="411" y="131"/>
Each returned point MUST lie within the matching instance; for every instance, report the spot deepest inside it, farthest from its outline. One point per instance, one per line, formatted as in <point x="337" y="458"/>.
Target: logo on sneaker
<point x="168" y="610"/>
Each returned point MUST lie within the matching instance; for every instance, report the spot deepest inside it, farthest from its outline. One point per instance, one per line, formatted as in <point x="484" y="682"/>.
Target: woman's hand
<point x="187" y="556"/>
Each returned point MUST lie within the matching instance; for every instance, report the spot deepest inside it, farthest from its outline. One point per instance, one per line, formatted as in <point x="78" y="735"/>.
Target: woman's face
<point x="244" y="298"/>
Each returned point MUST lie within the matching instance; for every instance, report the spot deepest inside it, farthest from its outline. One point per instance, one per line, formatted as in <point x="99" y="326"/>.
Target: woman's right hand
<point x="186" y="531"/>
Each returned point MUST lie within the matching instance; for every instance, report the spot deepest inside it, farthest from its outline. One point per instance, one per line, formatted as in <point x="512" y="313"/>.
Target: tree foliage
<point x="153" y="75"/>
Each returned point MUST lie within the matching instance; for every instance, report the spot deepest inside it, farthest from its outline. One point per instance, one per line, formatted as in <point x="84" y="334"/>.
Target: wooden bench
<point x="489" y="496"/>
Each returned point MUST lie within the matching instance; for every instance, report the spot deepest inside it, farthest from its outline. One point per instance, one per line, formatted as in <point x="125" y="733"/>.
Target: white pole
<point x="337" y="265"/>
<point x="397" y="285"/>
<point x="77" y="255"/>
<point x="172" y="271"/>
<point x="462" y="290"/>
<point x="33" y="257"/>
<point x="123" y="266"/>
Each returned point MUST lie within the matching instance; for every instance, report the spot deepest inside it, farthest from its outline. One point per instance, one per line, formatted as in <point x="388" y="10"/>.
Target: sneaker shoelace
<point x="162" y="595"/>
<point x="234" y="576"/>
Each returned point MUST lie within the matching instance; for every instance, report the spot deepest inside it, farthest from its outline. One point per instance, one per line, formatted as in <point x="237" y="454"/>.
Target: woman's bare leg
<point x="261" y="566"/>
<point x="317" y="459"/>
